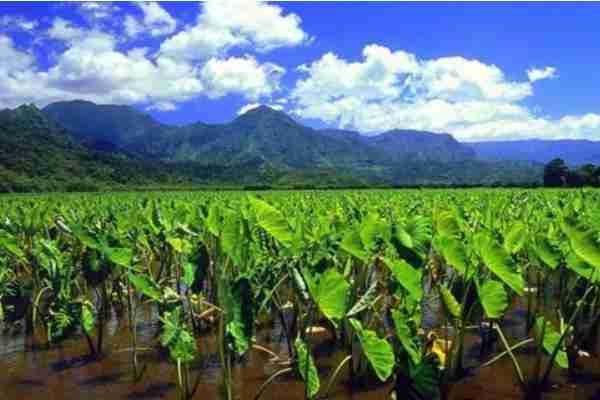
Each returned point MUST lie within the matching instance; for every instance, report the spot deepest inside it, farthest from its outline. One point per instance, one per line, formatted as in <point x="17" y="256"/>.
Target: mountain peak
<point x="264" y="112"/>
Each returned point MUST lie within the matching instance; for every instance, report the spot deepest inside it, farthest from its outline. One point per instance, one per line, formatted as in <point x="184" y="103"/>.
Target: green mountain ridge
<point x="37" y="154"/>
<point x="79" y="145"/>
<point x="262" y="133"/>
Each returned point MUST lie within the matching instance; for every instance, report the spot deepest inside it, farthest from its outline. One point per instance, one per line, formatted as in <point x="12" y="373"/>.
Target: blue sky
<point x="478" y="71"/>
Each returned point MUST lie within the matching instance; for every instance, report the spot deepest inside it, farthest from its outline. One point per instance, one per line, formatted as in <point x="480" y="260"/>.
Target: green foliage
<point x="550" y="340"/>
<point x="499" y="262"/>
<point x="175" y="336"/>
<point x="378" y="351"/>
<point x="408" y="277"/>
<point x="330" y="291"/>
<point x="145" y="285"/>
<point x="493" y="298"/>
<point x="306" y="368"/>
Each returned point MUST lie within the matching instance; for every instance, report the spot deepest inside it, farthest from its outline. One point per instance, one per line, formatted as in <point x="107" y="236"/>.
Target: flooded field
<point x="32" y="370"/>
<point x="450" y="295"/>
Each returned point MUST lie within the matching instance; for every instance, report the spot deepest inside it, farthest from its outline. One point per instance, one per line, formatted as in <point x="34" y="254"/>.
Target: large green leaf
<point x="408" y="277"/>
<point x="11" y="245"/>
<point x="232" y="238"/>
<point x="379" y="352"/>
<point x="145" y="286"/>
<point x="544" y="251"/>
<point x="372" y="229"/>
<point x="582" y="268"/>
<point x="406" y="337"/>
<point x="365" y="301"/>
<point x="515" y="238"/>
<point x="426" y="379"/>
<point x="550" y="341"/>
<point x="212" y="221"/>
<point x="446" y="224"/>
<point x="121" y="256"/>
<point x="330" y="291"/>
<point x="88" y="318"/>
<point x="181" y="246"/>
<point x="189" y="273"/>
<point x="584" y="243"/>
<point x="352" y="244"/>
<point x="182" y="345"/>
<point x="453" y="251"/>
<point x="306" y="368"/>
<point x="239" y="307"/>
<point x="450" y="303"/>
<point x="271" y="220"/>
<point x="493" y="298"/>
<point x="500" y="262"/>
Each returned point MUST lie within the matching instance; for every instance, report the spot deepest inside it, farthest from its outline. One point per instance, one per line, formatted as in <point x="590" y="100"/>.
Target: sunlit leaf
<point x="378" y="351"/>
<point x="306" y="368"/>
<point x="493" y="298"/>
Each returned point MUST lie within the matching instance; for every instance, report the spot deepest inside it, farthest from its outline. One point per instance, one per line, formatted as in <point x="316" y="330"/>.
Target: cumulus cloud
<point x="252" y="106"/>
<point x="162" y="106"/>
<point x="536" y="74"/>
<point x="95" y="11"/>
<point x="241" y="74"/>
<point x="64" y="30"/>
<point x="95" y="64"/>
<point x="17" y="23"/>
<point x="225" y="24"/>
<point x="156" y="21"/>
<point x="394" y="89"/>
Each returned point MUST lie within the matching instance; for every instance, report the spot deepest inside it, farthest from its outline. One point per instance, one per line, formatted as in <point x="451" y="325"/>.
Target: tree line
<point x="558" y="174"/>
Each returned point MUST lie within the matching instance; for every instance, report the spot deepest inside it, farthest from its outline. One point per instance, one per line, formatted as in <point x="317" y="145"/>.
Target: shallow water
<point x="30" y="370"/>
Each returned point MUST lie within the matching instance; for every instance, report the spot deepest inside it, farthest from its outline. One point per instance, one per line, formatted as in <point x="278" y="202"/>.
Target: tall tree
<point x="556" y="173"/>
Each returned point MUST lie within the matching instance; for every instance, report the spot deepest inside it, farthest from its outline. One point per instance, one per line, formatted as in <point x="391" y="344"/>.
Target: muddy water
<point x="30" y="370"/>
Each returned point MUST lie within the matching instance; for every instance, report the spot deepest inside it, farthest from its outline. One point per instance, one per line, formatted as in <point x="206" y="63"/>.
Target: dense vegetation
<point x="80" y="146"/>
<point x="364" y="266"/>
<point x="558" y="174"/>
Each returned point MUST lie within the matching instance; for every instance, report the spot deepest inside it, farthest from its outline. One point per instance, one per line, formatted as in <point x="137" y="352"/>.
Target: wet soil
<point x="30" y="370"/>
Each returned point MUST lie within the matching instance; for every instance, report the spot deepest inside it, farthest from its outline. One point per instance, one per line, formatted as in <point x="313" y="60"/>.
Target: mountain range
<point x="81" y="145"/>
<point x="573" y="152"/>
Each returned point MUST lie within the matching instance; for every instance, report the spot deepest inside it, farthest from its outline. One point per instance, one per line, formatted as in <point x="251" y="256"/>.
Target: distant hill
<point x="38" y="154"/>
<point x="421" y="146"/>
<point x="261" y="133"/>
<point x="79" y="145"/>
<point x="573" y="152"/>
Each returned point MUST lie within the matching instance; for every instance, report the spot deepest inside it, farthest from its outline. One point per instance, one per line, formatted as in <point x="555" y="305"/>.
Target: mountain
<point x="261" y="133"/>
<point x="99" y="126"/>
<point x="79" y="145"/>
<point x="573" y="152"/>
<point x="421" y="146"/>
<point x="37" y="154"/>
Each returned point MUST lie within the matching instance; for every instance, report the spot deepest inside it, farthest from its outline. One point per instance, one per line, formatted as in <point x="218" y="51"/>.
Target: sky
<point x="478" y="71"/>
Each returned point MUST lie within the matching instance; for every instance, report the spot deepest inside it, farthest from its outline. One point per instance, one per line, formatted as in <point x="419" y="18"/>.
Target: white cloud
<point x="97" y="10"/>
<point x="17" y="23"/>
<point x="394" y="90"/>
<point x="162" y="106"/>
<point x="64" y="30"/>
<point x="133" y="27"/>
<point x="94" y="67"/>
<point x="536" y="74"/>
<point x="156" y="21"/>
<point x="224" y="24"/>
<point x="248" y="107"/>
<point x="241" y="75"/>
<point x="252" y="106"/>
